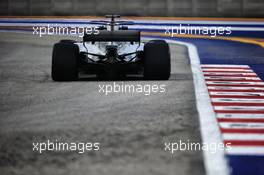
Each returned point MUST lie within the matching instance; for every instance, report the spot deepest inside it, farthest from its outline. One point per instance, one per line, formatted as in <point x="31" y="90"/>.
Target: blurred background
<point x="178" y="8"/>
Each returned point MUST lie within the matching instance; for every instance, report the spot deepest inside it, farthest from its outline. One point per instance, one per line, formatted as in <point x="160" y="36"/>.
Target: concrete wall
<point x="195" y="8"/>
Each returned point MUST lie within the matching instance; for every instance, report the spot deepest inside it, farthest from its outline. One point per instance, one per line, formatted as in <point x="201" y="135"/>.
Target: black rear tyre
<point x="157" y="64"/>
<point x="67" y="41"/>
<point x="65" y="62"/>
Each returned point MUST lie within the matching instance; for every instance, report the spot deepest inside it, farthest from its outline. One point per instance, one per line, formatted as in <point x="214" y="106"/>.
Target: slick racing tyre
<point x="64" y="62"/>
<point x="157" y="64"/>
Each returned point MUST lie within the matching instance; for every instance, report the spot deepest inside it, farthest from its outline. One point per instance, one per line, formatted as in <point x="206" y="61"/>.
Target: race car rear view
<point x="115" y="52"/>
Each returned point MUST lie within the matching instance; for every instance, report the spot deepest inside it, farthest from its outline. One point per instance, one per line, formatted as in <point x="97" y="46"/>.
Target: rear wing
<point x="115" y="36"/>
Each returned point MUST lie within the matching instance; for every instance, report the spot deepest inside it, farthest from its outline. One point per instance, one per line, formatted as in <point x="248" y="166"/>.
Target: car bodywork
<point x="113" y="52"/>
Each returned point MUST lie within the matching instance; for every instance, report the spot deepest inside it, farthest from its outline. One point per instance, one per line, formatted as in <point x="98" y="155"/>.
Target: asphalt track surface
<point x="131" y="128"/>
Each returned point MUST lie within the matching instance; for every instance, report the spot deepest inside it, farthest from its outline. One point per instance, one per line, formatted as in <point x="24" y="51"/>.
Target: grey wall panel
<point x="134" y="8"/>
<point x="62" y="7"/>
<point x="4" y="7"/>
<point x="41" y="7"/>
<point x="232" y="8"/>
<point x="108" y="7"/>
<point x="84" y="7"/>
<point x="253" y="8"/>
<point x="205" y="8"/>
<point x="178" y="8"/>
<point x="19" y="7"/>
<point x="157" y="7"/>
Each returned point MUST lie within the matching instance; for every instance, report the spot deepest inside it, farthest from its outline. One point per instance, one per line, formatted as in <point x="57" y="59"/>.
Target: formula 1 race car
<point x="114" y="52"/>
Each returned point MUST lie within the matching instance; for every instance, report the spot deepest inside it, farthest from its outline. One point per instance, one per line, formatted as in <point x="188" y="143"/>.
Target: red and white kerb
<point x="237" y="96"/>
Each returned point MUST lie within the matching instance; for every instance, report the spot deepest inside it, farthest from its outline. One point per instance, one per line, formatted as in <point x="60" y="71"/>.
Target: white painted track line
<point x="215" y="164"/>
<point x="230" y="136"/>
<point x="244" y="116"/>
<point x="243" y="150"/>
